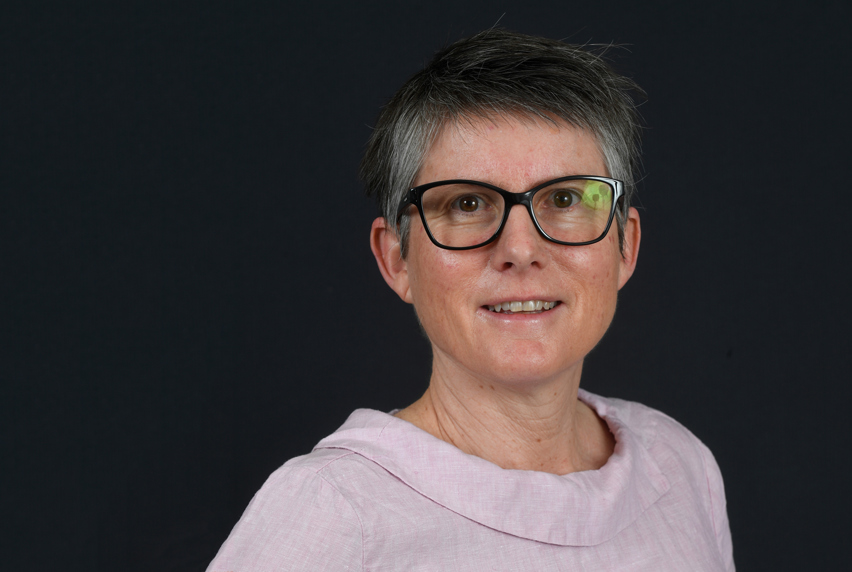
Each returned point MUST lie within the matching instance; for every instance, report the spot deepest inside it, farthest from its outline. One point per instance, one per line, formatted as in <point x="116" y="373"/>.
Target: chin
<point x="514" y="372"/>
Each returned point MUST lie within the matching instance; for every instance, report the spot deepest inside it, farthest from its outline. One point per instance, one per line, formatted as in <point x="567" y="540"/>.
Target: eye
<point x="468" y="203"/>
<point x="563" y="199"/>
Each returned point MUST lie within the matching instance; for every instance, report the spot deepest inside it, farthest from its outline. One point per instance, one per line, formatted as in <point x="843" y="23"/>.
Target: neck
<point x="539" y="426"/>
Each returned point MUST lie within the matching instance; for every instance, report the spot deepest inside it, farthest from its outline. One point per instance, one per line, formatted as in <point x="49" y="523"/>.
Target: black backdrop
<point x="189" y="298"/>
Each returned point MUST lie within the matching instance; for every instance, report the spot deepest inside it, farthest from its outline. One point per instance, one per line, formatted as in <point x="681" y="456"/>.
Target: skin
<point x="504" y="387"/>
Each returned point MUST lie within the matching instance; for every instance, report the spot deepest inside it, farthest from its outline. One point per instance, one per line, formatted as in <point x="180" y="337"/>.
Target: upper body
<point x="380" y="494"/>
<point x="504" y="175"/>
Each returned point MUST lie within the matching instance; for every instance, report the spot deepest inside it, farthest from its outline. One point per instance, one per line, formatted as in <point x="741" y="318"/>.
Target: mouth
<point x="522" y="307"/>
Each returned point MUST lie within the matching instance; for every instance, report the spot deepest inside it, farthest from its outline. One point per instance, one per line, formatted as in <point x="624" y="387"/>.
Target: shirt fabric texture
<point x="379" y="494"/>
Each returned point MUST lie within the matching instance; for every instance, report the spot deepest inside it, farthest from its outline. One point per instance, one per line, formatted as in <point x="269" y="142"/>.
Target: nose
<point x="519" y="245"/>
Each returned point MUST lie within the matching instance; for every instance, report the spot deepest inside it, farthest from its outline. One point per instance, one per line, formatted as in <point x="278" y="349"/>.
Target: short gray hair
<point x="501" y="73"/>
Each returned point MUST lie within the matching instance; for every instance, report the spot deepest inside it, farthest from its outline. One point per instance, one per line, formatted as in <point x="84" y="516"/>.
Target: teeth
<point x="522" y="306"/>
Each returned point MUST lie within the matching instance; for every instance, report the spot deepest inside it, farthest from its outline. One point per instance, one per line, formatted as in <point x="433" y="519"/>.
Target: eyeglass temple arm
<point x="407" y="200"/>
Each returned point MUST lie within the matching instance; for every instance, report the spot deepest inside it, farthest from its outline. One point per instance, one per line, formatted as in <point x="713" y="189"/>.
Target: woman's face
<point x="452" y="291"/>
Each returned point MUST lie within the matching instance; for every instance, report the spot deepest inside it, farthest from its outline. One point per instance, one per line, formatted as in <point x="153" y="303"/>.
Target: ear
<point x="630" y="250"/>
<point x="387" y="250"/>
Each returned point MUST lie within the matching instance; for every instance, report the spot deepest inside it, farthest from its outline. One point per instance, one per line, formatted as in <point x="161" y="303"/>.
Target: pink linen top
<point x="380" y="494"/>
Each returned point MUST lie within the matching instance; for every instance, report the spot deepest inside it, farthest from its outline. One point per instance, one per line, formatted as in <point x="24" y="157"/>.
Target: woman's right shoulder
<point x="298" y="520"/>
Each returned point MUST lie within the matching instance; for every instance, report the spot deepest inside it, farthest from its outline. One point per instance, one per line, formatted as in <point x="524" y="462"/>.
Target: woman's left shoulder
<point x="668" y="441"/>
<point x="646" y="422"/>
<point x="688" y="465"/>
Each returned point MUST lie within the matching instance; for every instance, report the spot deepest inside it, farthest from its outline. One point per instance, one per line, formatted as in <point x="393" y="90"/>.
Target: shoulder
<point x="308" y="514"/>
<point x="294" y="519"/>
<point x="679" y="454"/>
<point x="686" y="462"/>
<point x="659" y="433"/>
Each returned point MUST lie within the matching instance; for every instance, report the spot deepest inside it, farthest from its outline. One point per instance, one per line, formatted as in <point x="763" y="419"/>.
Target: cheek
<point x="437" y="276"/>
<point x="598" y="272"/>
<point x="609" y="261"/>
<point x="608" y="292"/>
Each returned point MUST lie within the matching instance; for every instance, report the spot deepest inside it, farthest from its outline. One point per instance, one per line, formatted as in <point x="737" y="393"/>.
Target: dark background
<point x="188" y="296"/>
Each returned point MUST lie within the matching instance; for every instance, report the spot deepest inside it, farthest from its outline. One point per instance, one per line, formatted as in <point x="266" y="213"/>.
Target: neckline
<point x="578" y="509"/>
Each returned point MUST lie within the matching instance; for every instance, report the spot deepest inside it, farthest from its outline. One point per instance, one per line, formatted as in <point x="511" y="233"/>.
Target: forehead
<point x="511" y="152"/>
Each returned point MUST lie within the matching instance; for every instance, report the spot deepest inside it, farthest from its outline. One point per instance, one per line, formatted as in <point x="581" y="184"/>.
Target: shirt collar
<point x="579" y="509"/>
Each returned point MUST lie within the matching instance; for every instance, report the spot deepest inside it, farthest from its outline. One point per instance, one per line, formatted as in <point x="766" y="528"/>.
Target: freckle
<point x="538" y="440"/>
<point x="492" y="387"/>
<point x="481" y="387"/>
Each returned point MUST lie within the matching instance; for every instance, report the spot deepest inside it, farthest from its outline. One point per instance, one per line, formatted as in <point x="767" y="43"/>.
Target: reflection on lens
<point x="583" y="219"/>
<point x="597" y="195"/>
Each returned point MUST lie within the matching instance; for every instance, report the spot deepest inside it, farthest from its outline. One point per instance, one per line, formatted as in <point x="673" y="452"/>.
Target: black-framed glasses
<point x="459" y="214"/>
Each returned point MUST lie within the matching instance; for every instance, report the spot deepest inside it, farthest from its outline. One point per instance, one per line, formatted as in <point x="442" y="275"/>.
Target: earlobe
<point x="630" y="250"/>
<point x="387" y="250"/>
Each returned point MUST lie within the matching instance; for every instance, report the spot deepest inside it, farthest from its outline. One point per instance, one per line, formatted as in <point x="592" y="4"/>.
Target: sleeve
<point x="719" y="510"/>
<point x="296" y="521"/>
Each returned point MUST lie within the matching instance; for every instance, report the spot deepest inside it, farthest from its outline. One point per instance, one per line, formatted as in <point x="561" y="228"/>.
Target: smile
<point x="526" y="307"/>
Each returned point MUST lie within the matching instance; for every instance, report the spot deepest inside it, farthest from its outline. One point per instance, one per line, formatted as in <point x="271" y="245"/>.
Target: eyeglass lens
<point x="460" y="215"/>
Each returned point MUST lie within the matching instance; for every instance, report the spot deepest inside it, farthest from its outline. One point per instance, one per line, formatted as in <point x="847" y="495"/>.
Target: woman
<point x="504" y="174"/>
